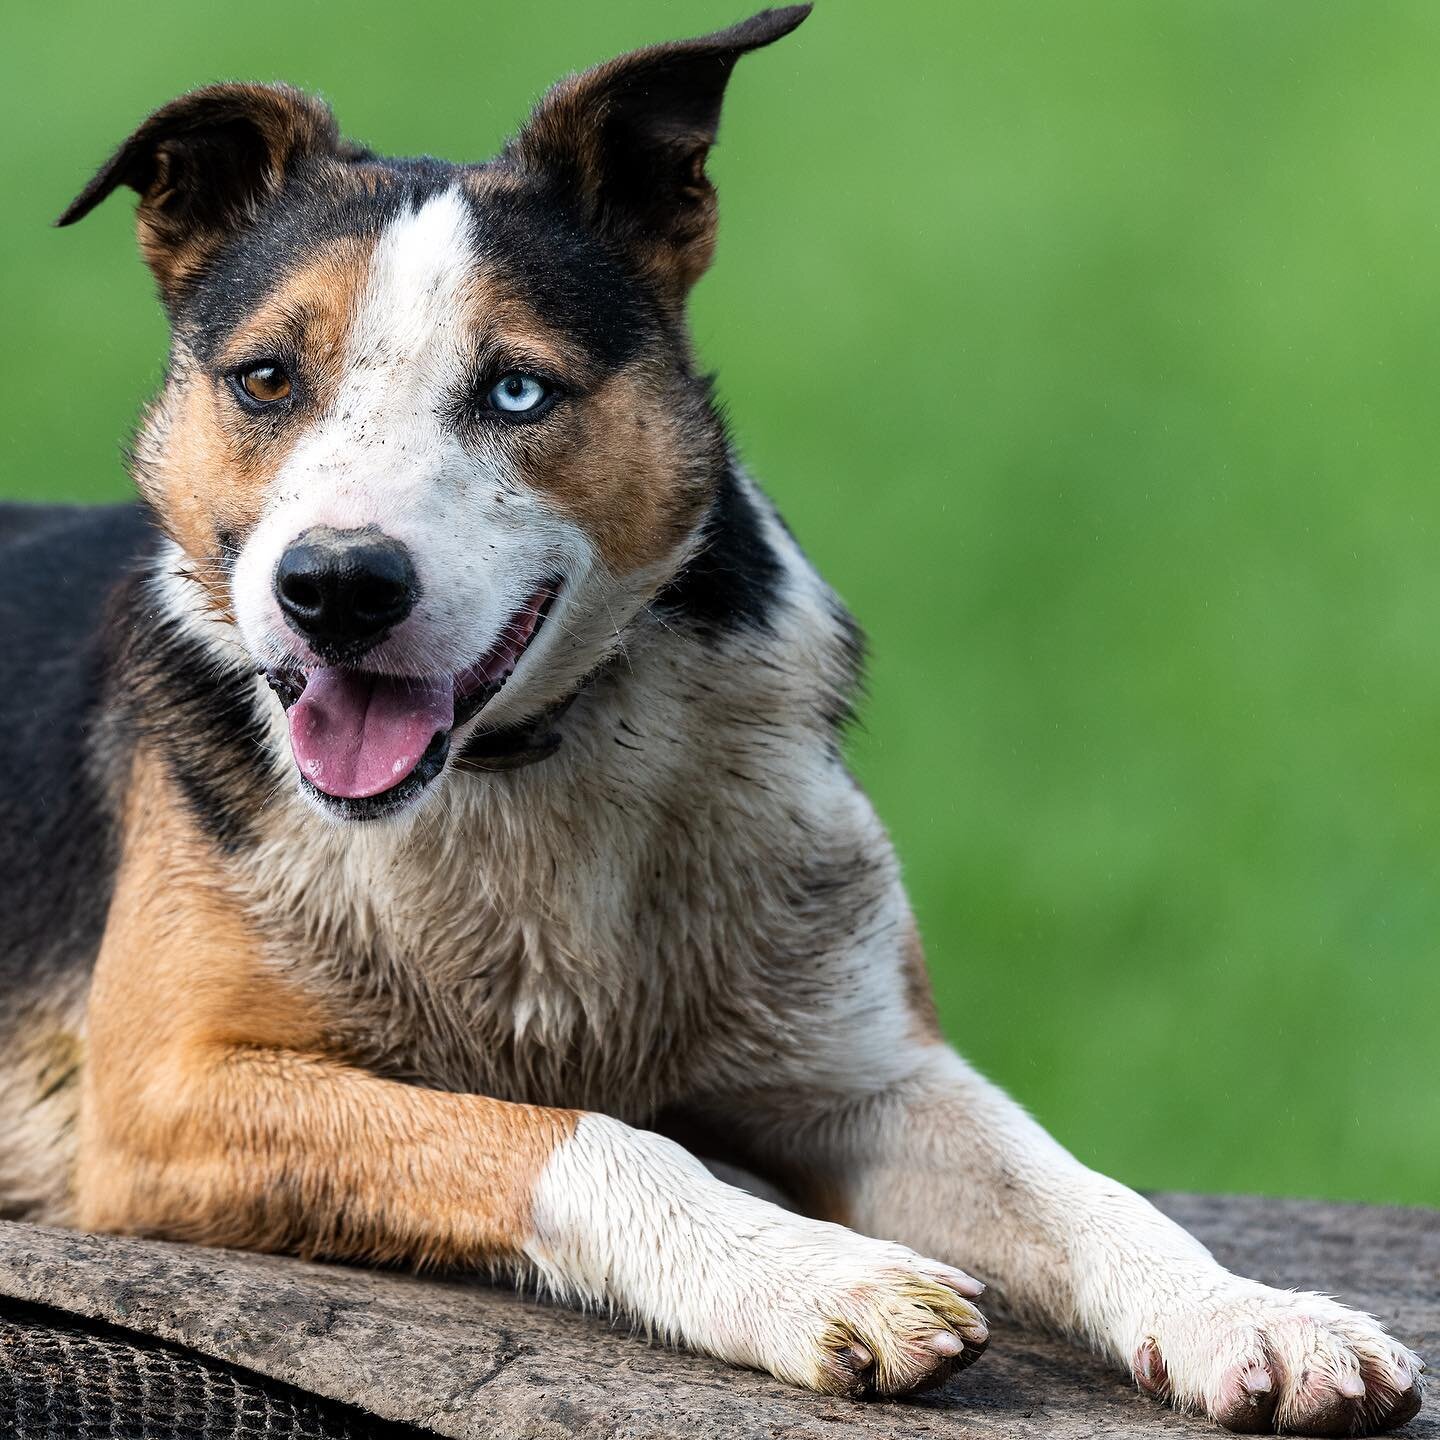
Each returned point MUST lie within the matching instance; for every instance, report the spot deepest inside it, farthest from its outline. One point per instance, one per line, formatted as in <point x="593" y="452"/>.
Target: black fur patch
<point x="204" y="719"/>
<point x="734" y="580"/>
<point x="569" y="277"/>
<point x="58" y="566"/>
<point x="89" y="666"/>
<point x="842" y="715"/>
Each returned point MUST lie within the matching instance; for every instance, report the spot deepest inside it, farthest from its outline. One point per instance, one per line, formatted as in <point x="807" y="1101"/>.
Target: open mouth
<point x="368" y="743"/>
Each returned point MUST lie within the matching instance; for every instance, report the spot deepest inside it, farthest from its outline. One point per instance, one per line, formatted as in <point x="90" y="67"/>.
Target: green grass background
<point x="1091" y="349"/>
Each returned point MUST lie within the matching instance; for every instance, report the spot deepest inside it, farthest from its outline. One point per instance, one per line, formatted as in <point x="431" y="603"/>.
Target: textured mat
<point x="64" y="1378"/>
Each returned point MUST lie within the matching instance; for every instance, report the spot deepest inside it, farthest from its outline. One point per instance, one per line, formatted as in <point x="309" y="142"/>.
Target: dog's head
<point x="431" y="434"/>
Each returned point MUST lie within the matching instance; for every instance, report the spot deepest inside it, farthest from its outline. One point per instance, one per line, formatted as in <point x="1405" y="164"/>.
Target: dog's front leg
<point x="273" y="1149"/>
<point x="218" y="1106"/>
<point x="945" y="1162"/>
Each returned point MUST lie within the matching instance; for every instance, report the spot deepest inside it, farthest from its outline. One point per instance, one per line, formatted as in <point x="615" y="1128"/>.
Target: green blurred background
<point x="1091" y="349"/>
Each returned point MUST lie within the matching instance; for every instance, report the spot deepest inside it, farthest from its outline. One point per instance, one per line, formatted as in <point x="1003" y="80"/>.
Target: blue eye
<point x="518" y="394"/>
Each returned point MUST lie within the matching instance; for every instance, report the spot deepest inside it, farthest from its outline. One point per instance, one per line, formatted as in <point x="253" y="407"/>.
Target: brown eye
<point x="265" y="383"/>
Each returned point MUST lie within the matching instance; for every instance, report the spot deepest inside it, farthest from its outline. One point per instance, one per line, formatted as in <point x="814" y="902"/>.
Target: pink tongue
<point x="355" y="735"/>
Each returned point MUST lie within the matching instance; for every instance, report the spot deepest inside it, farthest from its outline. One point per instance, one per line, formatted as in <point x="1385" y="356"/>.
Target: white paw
<point x="630" y="1219"/>
<point x="900" y="1327"/>
<point x="845" y="1314"/>
<point x="1260" y="1360"/>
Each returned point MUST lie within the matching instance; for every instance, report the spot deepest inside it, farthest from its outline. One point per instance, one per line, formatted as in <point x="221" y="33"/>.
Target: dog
<point x="427" y="828"/>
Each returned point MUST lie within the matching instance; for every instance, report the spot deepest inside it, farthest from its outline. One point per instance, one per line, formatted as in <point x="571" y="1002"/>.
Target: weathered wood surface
<point x="467" y="1360"/>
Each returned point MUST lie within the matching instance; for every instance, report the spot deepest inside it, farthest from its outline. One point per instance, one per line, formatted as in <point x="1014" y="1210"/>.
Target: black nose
<point x="345" y="590"/>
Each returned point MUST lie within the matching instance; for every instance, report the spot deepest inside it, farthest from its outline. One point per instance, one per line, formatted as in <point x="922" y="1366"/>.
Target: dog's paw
<point x="904" y="1326"/>
<point x="1259" y="1360"/>
<point x="845" y="1314"/>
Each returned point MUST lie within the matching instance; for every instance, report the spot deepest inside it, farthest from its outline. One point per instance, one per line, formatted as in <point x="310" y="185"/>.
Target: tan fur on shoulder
<point x="227" y="1114"/>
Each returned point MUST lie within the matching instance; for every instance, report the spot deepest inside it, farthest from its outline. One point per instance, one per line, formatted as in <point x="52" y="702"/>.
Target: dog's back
<point x="59" y="567"/>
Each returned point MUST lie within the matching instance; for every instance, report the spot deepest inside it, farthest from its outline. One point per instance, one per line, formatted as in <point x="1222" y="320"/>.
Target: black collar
<point x="515" y="746"/>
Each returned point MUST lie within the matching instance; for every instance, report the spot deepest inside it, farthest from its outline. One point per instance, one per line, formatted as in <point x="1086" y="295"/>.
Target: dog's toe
<point x="898" y="1332"/>
<point x="1257" y="1360"/>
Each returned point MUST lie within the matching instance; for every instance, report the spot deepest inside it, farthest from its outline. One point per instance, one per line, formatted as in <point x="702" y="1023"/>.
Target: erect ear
<point x="202" y="163"/>
<point x="629" y="139"/>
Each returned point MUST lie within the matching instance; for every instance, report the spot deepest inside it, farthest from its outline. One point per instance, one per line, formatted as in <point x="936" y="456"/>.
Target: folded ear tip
<point x="286" y="121"/>
<point x="771" y="25"/>
<point x="77" y="209"/>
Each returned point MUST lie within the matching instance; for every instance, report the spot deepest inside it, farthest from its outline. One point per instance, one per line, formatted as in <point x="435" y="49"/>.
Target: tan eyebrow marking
<point x="507" y="329"/>
<point x="203" y="462"/>
<point x="314" y="307"/>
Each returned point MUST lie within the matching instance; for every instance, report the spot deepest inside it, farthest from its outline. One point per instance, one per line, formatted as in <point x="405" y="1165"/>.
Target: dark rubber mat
<point x="64" y="1378"/>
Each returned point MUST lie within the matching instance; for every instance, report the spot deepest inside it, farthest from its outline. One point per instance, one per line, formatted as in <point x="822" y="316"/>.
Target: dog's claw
<point x="1258" y="1382"/>
<point x="1302" y="1364"/>
<point x="1149" y="1370"/>
<point x="956" y="1280"/>
<point x="859" y="1356"/>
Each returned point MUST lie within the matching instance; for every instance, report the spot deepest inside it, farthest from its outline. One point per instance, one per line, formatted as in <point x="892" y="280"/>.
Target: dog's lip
<point x="479" y="683"/>
<point x="473" y="688"/>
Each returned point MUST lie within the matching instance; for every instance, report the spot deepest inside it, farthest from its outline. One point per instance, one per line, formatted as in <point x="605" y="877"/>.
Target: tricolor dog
<point x="426" y="828"/>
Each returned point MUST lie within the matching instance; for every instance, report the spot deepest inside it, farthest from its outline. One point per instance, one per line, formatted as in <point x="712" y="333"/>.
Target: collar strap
<point x="515" y="746"/>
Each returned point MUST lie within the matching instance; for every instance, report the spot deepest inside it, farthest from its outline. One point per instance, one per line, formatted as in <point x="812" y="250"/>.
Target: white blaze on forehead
<point x="384" y="442"/>
<point x="408" y="335"/>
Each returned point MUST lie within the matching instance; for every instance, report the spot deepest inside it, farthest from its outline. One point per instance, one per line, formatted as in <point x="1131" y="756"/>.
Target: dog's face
<point x="431" y="434"/>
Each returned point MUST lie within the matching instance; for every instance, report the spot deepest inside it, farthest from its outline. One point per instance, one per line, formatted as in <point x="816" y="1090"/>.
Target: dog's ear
<point x="628" y="140"/>
<point x="201" y="165"/>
